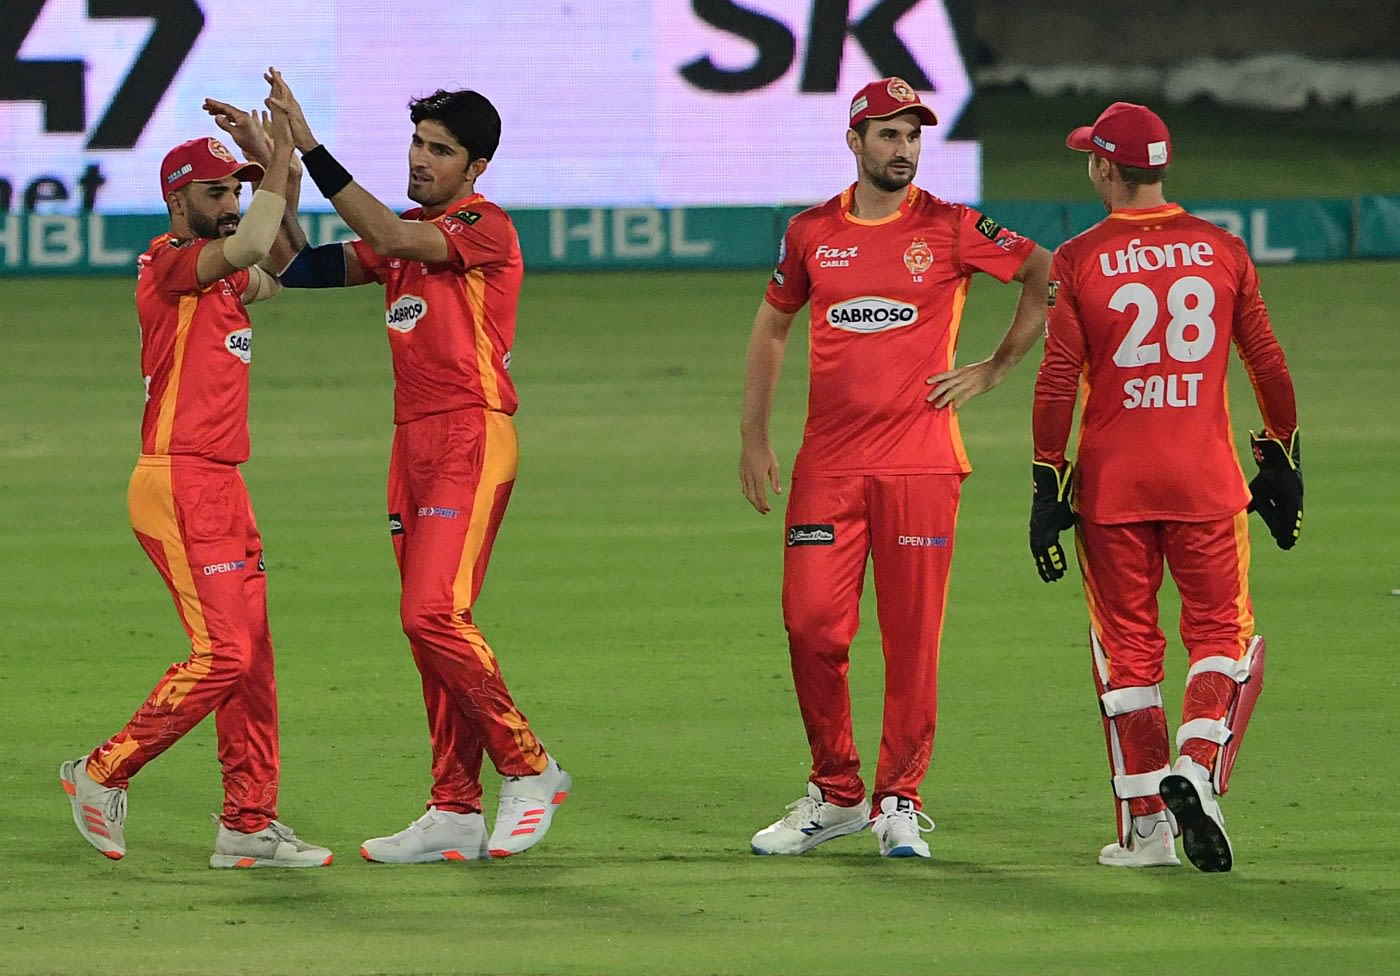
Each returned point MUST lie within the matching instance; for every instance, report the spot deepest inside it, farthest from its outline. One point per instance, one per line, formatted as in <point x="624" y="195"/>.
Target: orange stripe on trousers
<point x="151" y="503"/>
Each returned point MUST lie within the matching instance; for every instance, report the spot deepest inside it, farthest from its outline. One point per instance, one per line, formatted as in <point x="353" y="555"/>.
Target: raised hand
<point x="248" y="130"/>
<point x="280" y="97"/>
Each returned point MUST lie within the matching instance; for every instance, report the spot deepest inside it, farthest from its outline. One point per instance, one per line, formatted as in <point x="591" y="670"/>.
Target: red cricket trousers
<point x="1122" y="567"/>
<point x="195" y="522"/>
<point x="450" y="477"/>
<point x="905" y="525"/>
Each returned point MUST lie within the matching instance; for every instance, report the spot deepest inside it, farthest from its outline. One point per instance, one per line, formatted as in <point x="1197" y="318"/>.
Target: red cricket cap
<point x="886" y="97"/>
<point x="203" y="161"/>
<point x="1127" y="134"/>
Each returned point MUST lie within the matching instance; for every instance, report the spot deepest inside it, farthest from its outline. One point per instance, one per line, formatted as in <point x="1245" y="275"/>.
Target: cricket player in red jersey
<point x="451" y="271"/>
<point x="886" y="268"/>
<point x="1144" y="308"/>
<point x="190" y="507"/>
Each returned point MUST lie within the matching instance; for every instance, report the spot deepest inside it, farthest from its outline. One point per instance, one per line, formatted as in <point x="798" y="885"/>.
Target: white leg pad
<point x="1212" y="730"/>
<point x="1142" y="784"/>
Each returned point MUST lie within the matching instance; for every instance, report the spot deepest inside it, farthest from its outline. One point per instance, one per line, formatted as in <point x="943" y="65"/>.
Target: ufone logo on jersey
<point x="405" y="313"/>
<point x="871" y="313"/>
<point x="240" y="343"/>
<point x="834" y="257"/>
<point x="1149" y="257"/>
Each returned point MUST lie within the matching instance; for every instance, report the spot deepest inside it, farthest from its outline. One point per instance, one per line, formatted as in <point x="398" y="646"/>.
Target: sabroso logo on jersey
<point x="405" y="313"/>
<point x="240" y="343"/>
<point x="871" y="313"/>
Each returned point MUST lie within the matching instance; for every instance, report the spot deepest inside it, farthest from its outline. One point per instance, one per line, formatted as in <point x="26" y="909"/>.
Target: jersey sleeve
<point x="478" y="237"/>
<point x="789" y="288"/>
<point x="374" y="265"/>
<point x="1263" y="357"/>
<point x="1057" y="382"/>
<point x="985" y="245"/>
<point x="175" y="268"/>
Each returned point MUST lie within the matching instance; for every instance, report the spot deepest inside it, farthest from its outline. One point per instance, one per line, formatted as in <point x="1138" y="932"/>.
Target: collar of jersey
<point x="452" y="207"/>
<point x="1147" y="213"/>
<point x="848" y="198"/>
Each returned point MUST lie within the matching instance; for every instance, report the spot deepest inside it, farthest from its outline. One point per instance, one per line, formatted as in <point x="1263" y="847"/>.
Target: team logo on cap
<point x="918" y="257"/>
<point x="219" y="151"/>
<point x="900" y="91"/>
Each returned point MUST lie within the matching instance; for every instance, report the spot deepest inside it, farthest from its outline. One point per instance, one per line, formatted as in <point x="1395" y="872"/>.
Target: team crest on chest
<point x="918" y="257"/>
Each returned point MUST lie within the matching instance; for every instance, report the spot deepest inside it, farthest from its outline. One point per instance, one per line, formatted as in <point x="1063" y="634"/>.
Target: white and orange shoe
<point x="1150" y="845"/>
<point x="98" y="811"/>
<point x="275" y="846"/>
<point x="438" y="835"/>
<point x="526" y="807"/>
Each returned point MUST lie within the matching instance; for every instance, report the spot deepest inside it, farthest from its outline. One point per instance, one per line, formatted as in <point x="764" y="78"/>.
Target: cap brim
<point x="246" y="173"/>
<point x="1081" y="139"/>
<point x="924" y="113"/>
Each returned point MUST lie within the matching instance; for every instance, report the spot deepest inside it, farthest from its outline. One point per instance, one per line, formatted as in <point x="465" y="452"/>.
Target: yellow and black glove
<point x="1276" y="492"/>
<point x="1050" y="515"/>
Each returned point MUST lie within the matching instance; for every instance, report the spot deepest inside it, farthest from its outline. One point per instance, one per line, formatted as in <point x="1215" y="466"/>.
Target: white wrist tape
<point x="256" y="231"/>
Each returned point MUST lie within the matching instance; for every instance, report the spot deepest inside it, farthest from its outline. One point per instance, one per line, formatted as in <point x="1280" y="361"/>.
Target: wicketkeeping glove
<point x="1050" y="514"/>
<point x="1276" y="492"/>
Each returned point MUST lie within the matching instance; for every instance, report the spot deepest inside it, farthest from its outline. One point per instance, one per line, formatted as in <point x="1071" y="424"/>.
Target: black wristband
<point x="329" y="176"/>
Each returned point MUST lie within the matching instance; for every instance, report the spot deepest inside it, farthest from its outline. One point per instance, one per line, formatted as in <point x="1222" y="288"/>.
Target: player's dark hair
<point x="861" y="128"/>
<point x="1136" y="176"/>
<point x="468" y="115"/>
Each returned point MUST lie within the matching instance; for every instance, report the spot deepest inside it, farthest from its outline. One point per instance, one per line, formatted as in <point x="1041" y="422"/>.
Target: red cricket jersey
<point x="1145" y="306"/>
<point x="887" y="298"/>
<point x="196" y="344"/>
<point x="452" y="325"/>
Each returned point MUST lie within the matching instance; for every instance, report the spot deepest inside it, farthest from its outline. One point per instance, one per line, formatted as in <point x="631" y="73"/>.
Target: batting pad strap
<point x="1125" y="787"/>
<point x="1235" y="669"/>
<point x="1121" y="700"/>
<point x="1211" y="729"/>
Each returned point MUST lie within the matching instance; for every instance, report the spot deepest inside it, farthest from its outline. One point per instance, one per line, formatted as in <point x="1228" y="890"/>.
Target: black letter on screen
<point x="775" y="43"/>
<point x="58" y="84"/>
<point x="178" y="23"/>
<point x="874" y="33"/>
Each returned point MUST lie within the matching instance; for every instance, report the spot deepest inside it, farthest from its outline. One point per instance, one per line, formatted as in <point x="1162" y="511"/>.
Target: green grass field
<point x="633" y="602"/>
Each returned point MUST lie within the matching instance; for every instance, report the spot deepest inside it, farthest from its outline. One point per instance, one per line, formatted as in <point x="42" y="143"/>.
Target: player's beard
<point x="213" y="227"/>
<point x="425" y="193"/>
<point x="891" y="182"/>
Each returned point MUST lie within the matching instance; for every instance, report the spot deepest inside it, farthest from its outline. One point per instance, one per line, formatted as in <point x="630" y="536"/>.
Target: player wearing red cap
<point x="451" y="271"/>
<point x="1144" y="308"/>
<point x="885" y="267"/>
<point x="190" y="510"/>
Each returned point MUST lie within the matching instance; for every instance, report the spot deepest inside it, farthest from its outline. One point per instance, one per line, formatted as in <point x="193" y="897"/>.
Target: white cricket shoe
<point x="98" y="811"/>
<point x="525" y="809"/>
<point x="275" y="846"/>
<point x="438" y="835"/>
<point x="810" y="821"/>
<point x="1191" y="800"/>
<point x="898" y="826"/>
<point x="1150" y="845"/>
